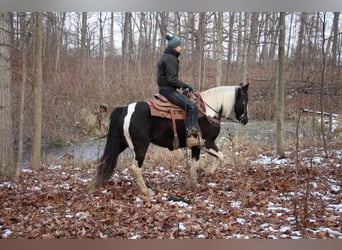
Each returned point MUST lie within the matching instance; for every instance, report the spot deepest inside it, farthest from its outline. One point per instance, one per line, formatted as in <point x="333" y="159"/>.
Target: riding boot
<point x="192" y="141"/>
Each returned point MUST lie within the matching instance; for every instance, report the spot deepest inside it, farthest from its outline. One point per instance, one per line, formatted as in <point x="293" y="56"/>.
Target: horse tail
<point x="114" y="146"/>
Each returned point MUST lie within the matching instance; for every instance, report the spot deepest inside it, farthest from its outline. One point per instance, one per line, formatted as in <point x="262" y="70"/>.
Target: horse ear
<point x="244" y="86"/>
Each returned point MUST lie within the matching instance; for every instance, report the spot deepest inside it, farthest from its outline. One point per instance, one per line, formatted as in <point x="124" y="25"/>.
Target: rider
<point x="168" y="82"/>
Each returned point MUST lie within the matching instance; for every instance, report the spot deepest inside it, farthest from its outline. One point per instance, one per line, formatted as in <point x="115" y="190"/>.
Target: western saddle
<point x="160" y="106"/>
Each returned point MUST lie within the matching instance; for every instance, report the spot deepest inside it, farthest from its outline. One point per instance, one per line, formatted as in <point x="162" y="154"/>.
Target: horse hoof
<point x="148" y="193"/>
<point x="194" y="185"/>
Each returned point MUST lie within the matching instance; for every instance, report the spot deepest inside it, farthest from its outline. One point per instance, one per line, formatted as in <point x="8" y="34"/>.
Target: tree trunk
<point x="230" y="46"/>
<point x="280" y="88"/>
<point x="201" y="36"/>
<point x="37" y="92"/>
<point x="111" y="37"/>
<point x="334" y="60"/>
<point x="253" y="48"/>
<point x="219" y="49"/>
<point x="239" y="41"/>
<point x="83" y="58"/>
<point x="60" y="28"/>
<point x="244" y="64"/>
<point x="300" y="42"/>
<point x="322" y="83"/>
<point x="7" y="166"/>
<point x="125" y="47"/>
<point x="23" y="48"/>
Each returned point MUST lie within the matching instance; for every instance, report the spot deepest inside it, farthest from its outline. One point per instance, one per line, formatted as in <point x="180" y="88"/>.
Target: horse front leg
<point x="219" y="159"/>
<point x="192" y="163"/>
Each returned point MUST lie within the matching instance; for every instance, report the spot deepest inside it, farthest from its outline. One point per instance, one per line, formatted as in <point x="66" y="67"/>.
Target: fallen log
<point x="319" y="112"/>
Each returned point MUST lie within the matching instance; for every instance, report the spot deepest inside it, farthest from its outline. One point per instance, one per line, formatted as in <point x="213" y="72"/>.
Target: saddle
<point x="160" y="106"/>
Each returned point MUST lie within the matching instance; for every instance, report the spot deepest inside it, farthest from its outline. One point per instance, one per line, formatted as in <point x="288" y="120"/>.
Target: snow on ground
<point x="234" y="203"/>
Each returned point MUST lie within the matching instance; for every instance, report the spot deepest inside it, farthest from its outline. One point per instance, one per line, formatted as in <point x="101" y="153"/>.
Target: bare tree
<point x="280" y="88"/>
<point x="7" y="166"/>
<point x="244" y="64"/>
<point x="322" y="82"/>
<point x="60" y="28"/>
<point x="23" y="48"/>
<point x="37" y="92"/>
<point x="201" y="40"/>
<point x="219" y="47"/>
<point x="127" y="29"/>
<point x="230" y="47"/>
<point x="83" y="56"/>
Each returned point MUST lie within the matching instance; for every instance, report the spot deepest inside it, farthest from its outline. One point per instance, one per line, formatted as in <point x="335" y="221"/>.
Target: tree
<point x="127" y="29"/>
<point x="37" y="92"/>
<point x="280" y="88"/>
<point x="23" y="48"/>
<point x="83" y="56"/>
<point x="219" y="49"/>
<point x="7" y="167"/>
<point x="244" y="64"/>
<point x="230" y="46"/>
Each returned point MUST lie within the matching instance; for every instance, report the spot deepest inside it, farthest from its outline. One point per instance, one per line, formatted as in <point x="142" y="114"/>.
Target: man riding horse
<point x="168" y="82"/>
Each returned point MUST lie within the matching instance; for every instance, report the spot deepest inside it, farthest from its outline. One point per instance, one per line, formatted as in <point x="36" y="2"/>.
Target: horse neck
<point x="219" y="99"/>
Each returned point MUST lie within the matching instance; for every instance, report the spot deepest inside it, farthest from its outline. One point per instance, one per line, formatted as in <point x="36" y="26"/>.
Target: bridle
<point x="244" y="116"/>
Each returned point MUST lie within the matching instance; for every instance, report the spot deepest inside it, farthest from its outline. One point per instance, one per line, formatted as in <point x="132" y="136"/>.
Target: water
<point x="256" y="131"/>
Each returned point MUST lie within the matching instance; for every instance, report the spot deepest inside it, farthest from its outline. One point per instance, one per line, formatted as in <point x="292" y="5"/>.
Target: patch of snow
<point x="241" y="221"/>
<point x="135" y="237"/>
<point x="212" y="184"/>
<point x="264" y="160"/>
<point x="7" y="184"/>
<point x="317" y="159"/>
<point x="137" y="199"/>
<point x="181" y="226"/>
<point x="271" y="206"/>
<point x="180" y="204"/>
<point x="34" y="188"/>
<point x="335" y="188"/>
<point x="64" y="185"/>
<point x="105" y="192"/>
<point x="53" y="167"/>
<point x="26" y="170"/>
<point x="331" y="232"/>
<point x="283" y="229"/>
<point x="235" y="204"/>
<point x="6" y="233"/>
<point x="337" y="208"/>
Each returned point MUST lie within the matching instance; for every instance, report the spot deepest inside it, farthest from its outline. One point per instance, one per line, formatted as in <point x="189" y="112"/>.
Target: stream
<point x="263" y="131"/>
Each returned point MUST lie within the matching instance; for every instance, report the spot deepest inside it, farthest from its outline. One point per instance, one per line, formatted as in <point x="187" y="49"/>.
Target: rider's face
<point x="178" y="49"/>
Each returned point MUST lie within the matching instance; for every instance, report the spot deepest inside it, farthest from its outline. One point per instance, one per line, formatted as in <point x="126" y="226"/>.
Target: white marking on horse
<point x="220" y="97"/>
<point x="127" y="122"/>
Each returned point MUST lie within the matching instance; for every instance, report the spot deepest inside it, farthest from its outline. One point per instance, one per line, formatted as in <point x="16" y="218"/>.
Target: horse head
<point x="241" y="104"/>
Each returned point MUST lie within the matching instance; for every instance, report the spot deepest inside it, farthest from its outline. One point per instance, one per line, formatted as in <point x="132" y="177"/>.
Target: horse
<point x="133" y="126"/>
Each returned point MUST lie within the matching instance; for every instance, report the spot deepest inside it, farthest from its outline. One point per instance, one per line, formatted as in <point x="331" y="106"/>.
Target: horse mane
<point x="219" y="99"/>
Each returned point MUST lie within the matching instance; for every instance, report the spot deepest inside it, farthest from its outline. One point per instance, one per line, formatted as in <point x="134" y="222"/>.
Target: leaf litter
<point x="259" y="198"/>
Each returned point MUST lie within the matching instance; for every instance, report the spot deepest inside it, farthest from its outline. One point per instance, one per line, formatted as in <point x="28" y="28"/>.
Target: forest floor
<point x="253" y="194"/>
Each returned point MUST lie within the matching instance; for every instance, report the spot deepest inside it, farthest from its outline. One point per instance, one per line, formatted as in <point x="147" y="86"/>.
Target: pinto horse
<point x="133" y="126"/>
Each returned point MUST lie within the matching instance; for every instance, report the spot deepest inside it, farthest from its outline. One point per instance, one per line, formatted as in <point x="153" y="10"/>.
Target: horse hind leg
<point x="137" y="173"/>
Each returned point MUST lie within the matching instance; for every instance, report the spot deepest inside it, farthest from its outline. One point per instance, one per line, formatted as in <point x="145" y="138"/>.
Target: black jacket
<point x="167" y="70"/>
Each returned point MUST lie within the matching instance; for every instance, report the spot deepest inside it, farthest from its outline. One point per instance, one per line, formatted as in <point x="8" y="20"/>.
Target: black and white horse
<point x="133" y="126"/>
